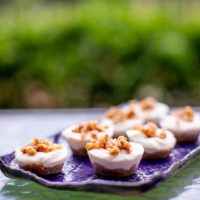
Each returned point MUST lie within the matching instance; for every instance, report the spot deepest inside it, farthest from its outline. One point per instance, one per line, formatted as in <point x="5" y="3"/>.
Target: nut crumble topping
<point x="114" y="146"/>
<point x="40" y="146"/>
<point x="93" y="135"/>
<point x="186" y="114"/>
<point x="150" y="130"/>
<point x="148" y="103"/>
<point x="120" y="115"/>
<point x="92" y="127"/>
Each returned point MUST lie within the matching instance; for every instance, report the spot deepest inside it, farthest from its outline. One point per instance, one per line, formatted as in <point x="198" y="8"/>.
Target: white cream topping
<point x="157" y="113"/>
<point x="122" y="161"/>
<point x="152" y="144"/>
<point x="77" y="142"/>
<point x="121" y="127"/>
<point x="47" y="159"/>
<point x="174" y="124"/>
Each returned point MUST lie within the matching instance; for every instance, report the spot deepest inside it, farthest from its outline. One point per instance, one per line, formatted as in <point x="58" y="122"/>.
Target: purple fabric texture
<point x="78" y="173"/>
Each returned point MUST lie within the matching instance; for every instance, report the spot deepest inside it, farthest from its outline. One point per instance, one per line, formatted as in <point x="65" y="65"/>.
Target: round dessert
<point x="41" y="157"/>
<point x="114" y="157"/>
<point x="78" y="135"/>
<point x="151" y="110"/>
<point x="158" y="143"/>
<point x="123" y="119"/>
<point x="184" y="123"/>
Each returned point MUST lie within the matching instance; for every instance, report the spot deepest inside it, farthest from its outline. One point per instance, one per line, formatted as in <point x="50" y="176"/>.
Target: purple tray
<point x="78" y="173"/>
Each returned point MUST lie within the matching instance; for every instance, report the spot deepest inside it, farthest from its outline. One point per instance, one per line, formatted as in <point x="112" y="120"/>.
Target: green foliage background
<point x="97" y="53"/>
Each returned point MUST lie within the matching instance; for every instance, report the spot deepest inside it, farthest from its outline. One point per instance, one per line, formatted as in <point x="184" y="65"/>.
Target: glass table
<point x="19" y="126"/>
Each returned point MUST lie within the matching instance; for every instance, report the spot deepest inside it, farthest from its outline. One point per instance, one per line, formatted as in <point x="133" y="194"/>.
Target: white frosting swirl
<point x="77" y="142"/>
<point x="47" y="159"/>
<point x="152" y="144"/>
<point x="122" y="161"/>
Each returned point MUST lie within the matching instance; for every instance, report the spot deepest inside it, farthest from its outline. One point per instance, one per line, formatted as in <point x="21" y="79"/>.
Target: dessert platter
<point x="130" y="148"/>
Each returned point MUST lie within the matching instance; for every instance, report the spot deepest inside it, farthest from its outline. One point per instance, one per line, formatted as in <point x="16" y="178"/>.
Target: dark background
<point x="95" y="53"/>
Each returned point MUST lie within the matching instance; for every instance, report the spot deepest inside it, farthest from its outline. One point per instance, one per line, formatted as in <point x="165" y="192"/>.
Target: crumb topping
<point x="186" y="114"/>
<point x="148" y="103"/>
<point x="120" y="115"/>
<point x="40" y="146"/>
<point x="150" y="130"/>
<point x="114" y="146"/>
<point x="91" y="127"/>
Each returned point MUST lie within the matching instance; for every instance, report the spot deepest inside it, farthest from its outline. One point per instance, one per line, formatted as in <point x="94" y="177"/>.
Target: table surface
<point x="20" y="126"/>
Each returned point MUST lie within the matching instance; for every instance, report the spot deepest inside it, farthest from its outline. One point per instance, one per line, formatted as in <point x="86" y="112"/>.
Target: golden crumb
<point x="114" y="150"/>
<point x="124" y="144"/>
<point x="28" y="150"/>
<point x="40" y="146"/>
<point x="90" y="127"/>
<point x="92" y="145"/>
<point x="150" y="130"/>
<point x="148" y="103"/>
<point x="112" y="145"/>
<point x="186" y="114"/>
<point x="162" y="135"/>
<point x="93" y="135"/>
<point x="130" y="114"/>
<point x="103" y="141"/>
<point x="120" y="115"/>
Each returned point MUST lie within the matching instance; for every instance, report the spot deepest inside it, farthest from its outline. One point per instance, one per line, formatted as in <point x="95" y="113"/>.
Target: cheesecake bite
<point x="41" y="157"/>
<point x="123" y="119"/>
<point x="150" y="110"/>
<point x="114" y="157"/>
<point x="184" y="123"/>
<point x="78" y="135"/>
<point x="158" y="143"/>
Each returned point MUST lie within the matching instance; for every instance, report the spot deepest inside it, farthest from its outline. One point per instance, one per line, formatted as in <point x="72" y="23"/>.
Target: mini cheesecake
<point x="123" y="119"/>
<point x="150" y="110"/>
<point x="184" y="123"/>
<point x="158" y="143"/>
<point x="41" y="157"/>
<point x="114" y="157"/>
<point x="78" y="135"/>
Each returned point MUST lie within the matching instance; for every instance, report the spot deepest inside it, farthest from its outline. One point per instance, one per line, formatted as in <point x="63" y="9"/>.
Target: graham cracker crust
<point x="157" y="156"/>
<point x="102" y="171"/>
<point x="42" y="170"/>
